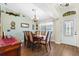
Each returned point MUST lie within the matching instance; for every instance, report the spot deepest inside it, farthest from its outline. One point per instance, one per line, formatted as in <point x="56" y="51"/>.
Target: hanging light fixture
<point x="64" y="4"/>
<point x="35" y="18"/>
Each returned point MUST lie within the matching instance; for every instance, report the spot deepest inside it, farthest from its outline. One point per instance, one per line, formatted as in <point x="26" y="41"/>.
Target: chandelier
<point x="35" y="18"/>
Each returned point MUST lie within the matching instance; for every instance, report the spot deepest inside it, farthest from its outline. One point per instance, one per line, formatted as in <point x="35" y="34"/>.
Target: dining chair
<point x="26" y="39"/>
<point x="34" y="41"/>
<point x="46" y="41"/>
<point x="50" y="34"/>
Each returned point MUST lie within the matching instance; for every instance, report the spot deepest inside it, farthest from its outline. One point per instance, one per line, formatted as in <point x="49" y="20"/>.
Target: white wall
<point x="57" y="31"/>
<point x="77" y="36"/>
<point x="18" y="31"/>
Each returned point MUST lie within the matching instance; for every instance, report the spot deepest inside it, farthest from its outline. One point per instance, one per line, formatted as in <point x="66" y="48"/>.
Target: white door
<point x="69" y="32"/>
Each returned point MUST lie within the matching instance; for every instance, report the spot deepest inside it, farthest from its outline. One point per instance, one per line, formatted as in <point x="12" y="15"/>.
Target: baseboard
<point x="77" y="46"/>
<point x="70" y="45"/>
<point x="64" y="43"/>
<point x="56" y="42"/>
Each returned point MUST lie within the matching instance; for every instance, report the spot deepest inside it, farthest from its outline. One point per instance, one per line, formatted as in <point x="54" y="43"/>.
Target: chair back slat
<point x="26" y="35"/>
<point x="48" y="37"/>
<point x="30" y="37"/>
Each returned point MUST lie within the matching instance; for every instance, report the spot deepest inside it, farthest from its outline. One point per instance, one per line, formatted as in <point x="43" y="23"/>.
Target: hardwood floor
<point x="56" y="50"/>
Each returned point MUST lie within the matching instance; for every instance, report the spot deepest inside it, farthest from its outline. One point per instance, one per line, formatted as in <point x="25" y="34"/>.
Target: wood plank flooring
<point x="56" y="50"/>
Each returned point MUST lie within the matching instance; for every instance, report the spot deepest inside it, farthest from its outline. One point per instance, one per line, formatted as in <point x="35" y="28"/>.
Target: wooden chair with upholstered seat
<point x="46" y="41"/>
<point x="33" y="40"/>
<point x="26" y="39"/>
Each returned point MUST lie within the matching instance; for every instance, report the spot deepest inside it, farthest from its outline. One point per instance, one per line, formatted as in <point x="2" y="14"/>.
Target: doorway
<point x="69" y="31"/>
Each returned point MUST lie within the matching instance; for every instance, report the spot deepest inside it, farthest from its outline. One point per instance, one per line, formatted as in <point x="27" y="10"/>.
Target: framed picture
<point x="12" y="25"/>
<point x="24" y="25"/>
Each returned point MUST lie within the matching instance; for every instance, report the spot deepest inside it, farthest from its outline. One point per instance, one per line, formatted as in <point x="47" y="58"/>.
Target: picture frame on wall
<point x="24" y="25"/>
<point x="12" y="25"/>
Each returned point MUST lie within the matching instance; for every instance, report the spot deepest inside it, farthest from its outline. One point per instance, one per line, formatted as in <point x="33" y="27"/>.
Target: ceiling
<point x="45" y="11"/>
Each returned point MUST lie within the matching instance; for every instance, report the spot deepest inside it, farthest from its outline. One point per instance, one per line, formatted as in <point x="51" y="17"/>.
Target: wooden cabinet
<point x="11" y="50"/>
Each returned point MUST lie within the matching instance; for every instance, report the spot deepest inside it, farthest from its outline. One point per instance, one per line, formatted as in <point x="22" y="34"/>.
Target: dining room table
<point x="39" y="36"/>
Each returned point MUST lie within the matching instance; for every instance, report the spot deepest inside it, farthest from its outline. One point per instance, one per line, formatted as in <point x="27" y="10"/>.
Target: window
<point x="47" y="26"/>
<point x="68" y="28"/>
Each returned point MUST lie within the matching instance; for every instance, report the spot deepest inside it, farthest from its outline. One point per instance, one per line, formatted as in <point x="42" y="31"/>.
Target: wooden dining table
<point x="40" y="36"/>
